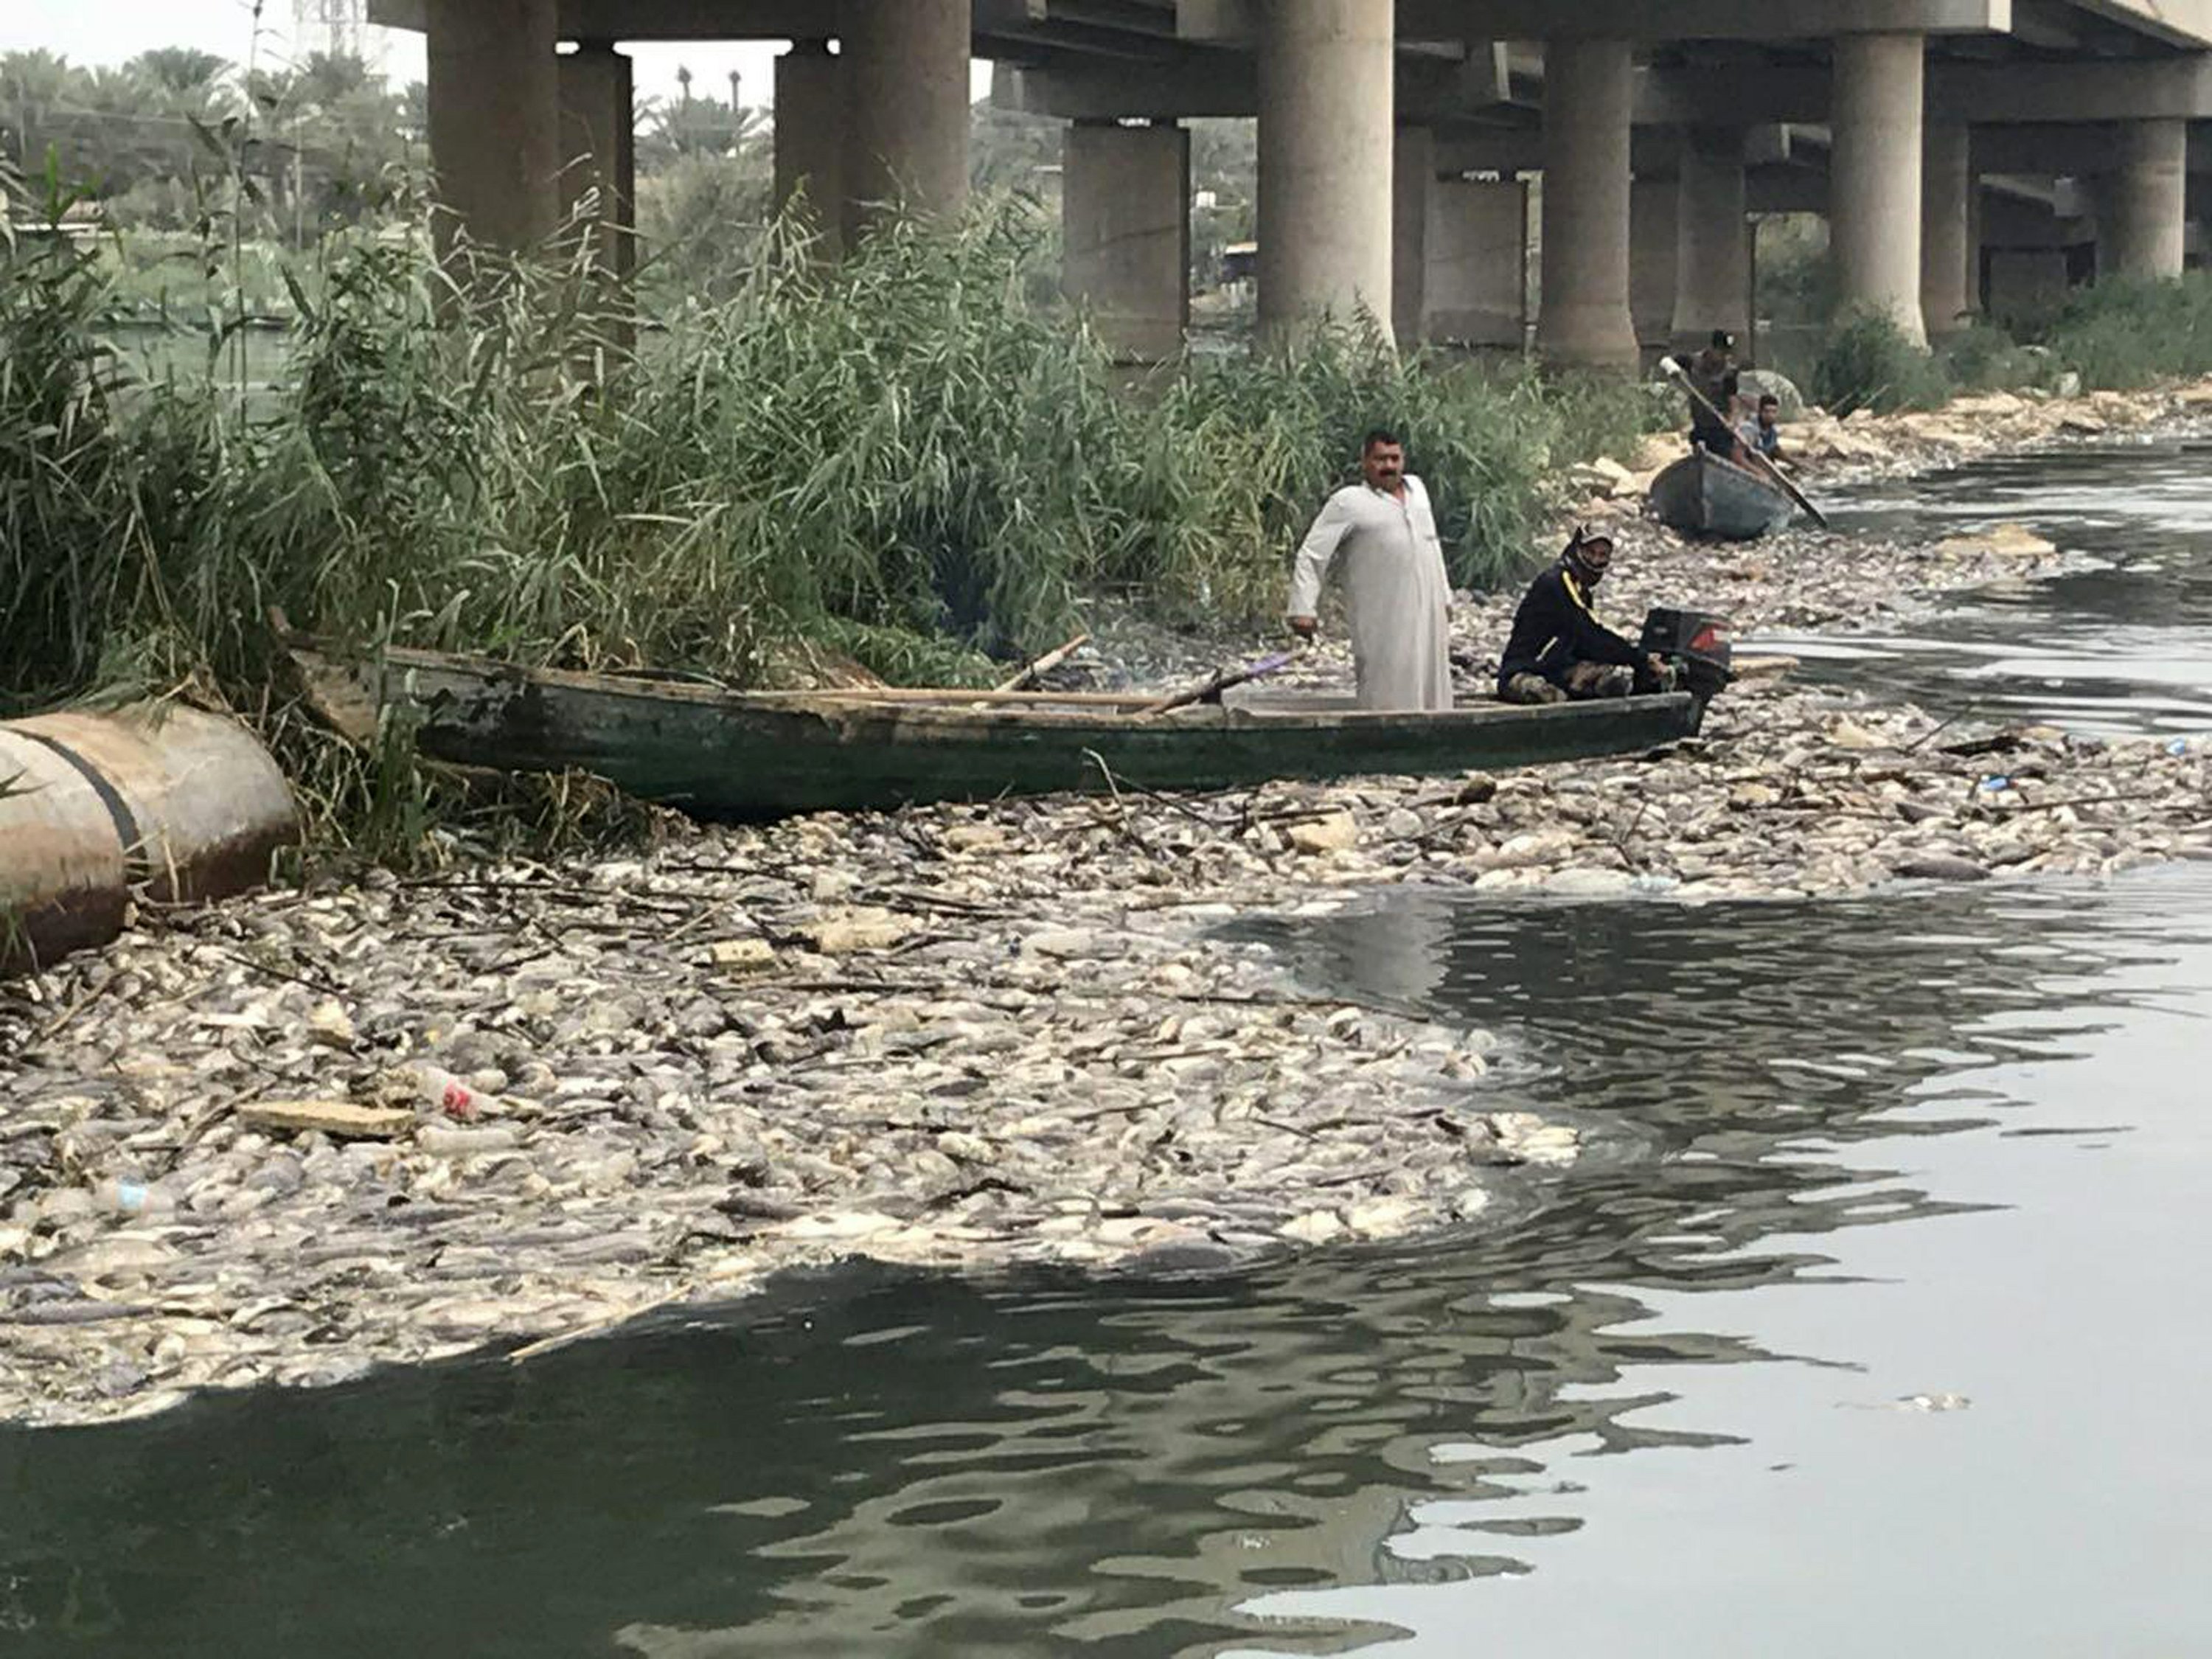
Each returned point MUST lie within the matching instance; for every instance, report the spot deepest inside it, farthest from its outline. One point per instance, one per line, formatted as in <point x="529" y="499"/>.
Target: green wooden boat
<point x="739" y="756"/>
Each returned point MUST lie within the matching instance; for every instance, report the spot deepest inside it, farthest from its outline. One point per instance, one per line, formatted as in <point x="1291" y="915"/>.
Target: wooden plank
<point x="339" y="1119"/>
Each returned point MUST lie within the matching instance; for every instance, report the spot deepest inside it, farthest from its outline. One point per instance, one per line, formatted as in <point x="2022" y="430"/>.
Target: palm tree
<point x="693" y="126"/>
<point x="180" y="70"/>
<point x="36" y="88"/>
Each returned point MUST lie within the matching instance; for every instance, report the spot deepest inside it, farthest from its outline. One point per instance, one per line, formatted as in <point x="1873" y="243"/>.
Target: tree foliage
<point x="328" y="142"/>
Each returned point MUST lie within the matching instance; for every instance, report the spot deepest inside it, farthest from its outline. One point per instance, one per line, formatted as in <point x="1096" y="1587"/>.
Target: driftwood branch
<point x="1044" y="664"/>
<point x="1221" y="679"/>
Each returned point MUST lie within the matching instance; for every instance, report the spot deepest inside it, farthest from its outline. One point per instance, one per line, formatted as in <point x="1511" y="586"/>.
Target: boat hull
<point x="738" y="756"/>
<point x="1705" y="495"/>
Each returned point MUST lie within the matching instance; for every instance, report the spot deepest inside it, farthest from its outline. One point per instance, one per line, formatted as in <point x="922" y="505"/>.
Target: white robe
<point x="1392" y="565"/>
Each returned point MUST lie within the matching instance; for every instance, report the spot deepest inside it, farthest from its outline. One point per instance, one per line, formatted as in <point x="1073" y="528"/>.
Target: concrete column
<point x="598" y="151"/>
<point x="1976" y="232"/>
<point x="906" y="108"/>
<point x="2143" y="214"/>
<point x="1874" y="175"/>
<point x="1713" y="245"/>
<point x="495" y="117"/>
<point x="810" y="120"/>
<point x="1327" y="94"/>
<point x="1583" y="316"/>
<point x="1654" y="249"/>
<point x="1947" y="284"/>
<point x="1413" y="176"/>
<point x="1125" y="205"/>
<point x="1477" y="276"/>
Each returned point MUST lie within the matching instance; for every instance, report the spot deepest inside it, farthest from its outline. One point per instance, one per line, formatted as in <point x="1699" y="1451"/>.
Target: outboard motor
<point x="1697" y="643"/>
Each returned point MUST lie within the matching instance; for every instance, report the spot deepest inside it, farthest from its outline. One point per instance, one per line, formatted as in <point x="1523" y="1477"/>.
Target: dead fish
<point x="73" y="1313"/>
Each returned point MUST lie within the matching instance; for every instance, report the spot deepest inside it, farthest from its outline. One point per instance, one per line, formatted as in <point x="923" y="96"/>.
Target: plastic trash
<point x="449" y="1094"/>
<point x="2178" y="746"/>
<point x="132" y="1198"/>
<point x="1995" y="784"/>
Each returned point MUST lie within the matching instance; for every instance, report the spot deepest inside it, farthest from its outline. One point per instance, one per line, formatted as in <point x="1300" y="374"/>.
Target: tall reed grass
<point x="2122" y="334"/>
<point x="904" y="458"/>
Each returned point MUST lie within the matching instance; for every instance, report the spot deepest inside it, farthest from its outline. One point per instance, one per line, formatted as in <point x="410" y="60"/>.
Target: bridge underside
<point x="1960" y="149"/>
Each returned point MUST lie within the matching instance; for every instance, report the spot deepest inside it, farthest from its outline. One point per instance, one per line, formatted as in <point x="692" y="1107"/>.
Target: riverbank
<point x="1791" y="581"/>
<point x="965" y="1037"/>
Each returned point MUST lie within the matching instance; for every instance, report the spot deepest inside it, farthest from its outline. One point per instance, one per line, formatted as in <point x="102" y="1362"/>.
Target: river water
<point x="2124" y="646"/>
<point x="1873" y="1324"/>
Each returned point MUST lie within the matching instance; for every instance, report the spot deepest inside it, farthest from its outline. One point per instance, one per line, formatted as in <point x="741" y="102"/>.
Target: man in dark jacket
<point x="1559" y="649"/>
<point x="1713" y="373"/>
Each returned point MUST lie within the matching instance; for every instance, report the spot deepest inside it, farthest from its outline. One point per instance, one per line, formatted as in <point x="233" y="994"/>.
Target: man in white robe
<point x="1380" y="537"/>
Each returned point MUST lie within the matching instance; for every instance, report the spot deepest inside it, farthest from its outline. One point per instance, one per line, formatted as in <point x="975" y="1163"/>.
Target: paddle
<point x="1221" y="679"/>
<point x="1773" y="471"/>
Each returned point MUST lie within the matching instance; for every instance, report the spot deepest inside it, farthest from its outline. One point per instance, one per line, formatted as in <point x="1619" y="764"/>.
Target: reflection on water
<point x="1854" y="1152"/>
<point x="2126" y="648"/>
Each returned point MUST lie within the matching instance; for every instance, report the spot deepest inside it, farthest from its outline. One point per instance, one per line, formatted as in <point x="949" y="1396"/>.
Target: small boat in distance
<point x="1702" y="495"/>
<point x="744" y="755"/>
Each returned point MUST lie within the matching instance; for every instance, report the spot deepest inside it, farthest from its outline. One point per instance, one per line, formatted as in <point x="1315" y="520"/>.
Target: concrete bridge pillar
<point x="598" y="153"/>
<point x="1125" y="204"/>
<point x="1414" y="174"/>
<point x="2143" y="209"/>
<point x="1477" y="286"/>
<point x="495" y="117"/>
<point x="1977" y="237"/>
<point x="1328" y="96"/>
<point x="1948" y="253"/>
<point x="809" y="119"/>
<point x="1712" y="271"/>
<point x="1875" y="170"/>
<point x="1583" y="317"/>
<point x="906" y="108"/>
<point x="1653" y="259"/>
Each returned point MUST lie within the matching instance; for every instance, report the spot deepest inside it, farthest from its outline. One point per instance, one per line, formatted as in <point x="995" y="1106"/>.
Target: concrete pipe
<point x="169" y="804"/>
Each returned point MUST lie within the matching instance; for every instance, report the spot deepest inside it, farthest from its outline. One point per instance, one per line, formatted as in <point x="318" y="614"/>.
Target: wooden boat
<point x="1705" y="495"/>
<point x="728" y="755"/>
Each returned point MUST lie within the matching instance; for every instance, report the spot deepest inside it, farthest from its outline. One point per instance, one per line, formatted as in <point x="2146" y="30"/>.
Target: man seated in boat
<point x="1559" y="650"/>
<point x="1762" y="433"/>
<point x="1380" y="537"/>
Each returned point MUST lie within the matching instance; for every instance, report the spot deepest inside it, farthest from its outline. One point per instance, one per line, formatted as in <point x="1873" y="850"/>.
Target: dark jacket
<point x="1709" y="373"/>
<point x="1553" y="630"/>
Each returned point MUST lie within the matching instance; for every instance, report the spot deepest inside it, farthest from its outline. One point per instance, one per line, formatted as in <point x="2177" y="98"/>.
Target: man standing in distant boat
<point x="1380" y="535"/>
<point x="1711" y="372"/>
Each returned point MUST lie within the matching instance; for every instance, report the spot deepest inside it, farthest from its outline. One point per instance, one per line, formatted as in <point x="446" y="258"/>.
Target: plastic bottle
<point x="132" y="1198"/>
<point x="441" y="1089"/>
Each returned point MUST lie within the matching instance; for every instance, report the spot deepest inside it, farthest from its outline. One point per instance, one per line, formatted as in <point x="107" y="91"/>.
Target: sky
<point x="108" y="31"/>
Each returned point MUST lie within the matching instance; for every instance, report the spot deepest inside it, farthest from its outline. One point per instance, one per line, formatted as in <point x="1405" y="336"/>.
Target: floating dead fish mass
<point x="391" y="1119"/>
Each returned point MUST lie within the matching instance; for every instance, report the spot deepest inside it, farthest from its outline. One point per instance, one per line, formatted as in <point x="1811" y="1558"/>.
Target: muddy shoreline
<point x="555" y="1097"/>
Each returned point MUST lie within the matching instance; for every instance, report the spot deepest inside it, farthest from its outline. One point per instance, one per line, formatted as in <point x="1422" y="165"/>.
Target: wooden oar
<point x="1772" y="470"/>
<point x="1221" y="679"/>
<point x="1045" y="665"/>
